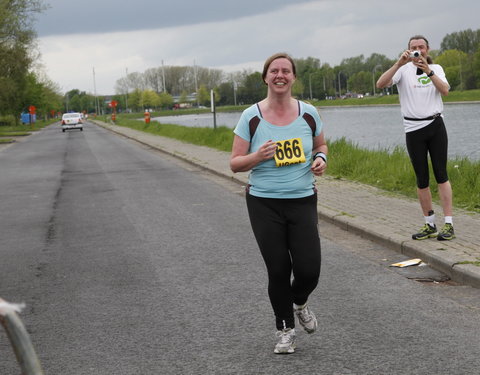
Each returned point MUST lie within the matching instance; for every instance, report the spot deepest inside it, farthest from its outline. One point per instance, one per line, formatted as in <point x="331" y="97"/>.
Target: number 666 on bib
<point x="289" y="152"/>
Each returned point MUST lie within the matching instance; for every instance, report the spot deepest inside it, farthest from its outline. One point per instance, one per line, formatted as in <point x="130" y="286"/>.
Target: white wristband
<point x="320" y="155"/>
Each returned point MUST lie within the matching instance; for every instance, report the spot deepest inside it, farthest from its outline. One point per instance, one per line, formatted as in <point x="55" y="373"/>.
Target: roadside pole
<point x="32" y="111"/>
<point x="212" y="101"/>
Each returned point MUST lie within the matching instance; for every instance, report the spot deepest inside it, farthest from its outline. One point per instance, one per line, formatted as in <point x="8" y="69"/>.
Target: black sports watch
<point x="320" y="155"/>
<point x="431" y="73"/>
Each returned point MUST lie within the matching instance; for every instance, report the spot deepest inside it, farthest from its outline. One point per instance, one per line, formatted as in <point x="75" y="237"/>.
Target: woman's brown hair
<point x="280" y="55"/>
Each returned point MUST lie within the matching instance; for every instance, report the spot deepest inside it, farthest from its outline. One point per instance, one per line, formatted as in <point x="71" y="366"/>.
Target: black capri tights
<point x="433" y="140"/>
<point x="286" y="231"/>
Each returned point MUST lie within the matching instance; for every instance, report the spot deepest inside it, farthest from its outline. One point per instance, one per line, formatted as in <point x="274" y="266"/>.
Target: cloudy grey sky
<point x="113" y="35"/>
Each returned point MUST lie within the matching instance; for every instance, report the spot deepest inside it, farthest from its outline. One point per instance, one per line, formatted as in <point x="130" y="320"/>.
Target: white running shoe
<point x="307" y="319"/>
<point x="286" y="342"/>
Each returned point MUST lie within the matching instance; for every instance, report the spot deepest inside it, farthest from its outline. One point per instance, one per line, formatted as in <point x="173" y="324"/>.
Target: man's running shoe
<point x="447" y="233"/>
<point x="286" y="341"/>
<point x="427" y="231"/>
<point x="307" y="319"/>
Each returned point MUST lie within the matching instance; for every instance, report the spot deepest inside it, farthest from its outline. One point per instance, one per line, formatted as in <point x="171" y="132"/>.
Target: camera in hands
<point x="415" y="54"/>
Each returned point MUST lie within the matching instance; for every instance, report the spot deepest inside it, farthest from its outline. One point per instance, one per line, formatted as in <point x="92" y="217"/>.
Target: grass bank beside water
<point x="389" y="170"/>
<point x="452" y="97"/>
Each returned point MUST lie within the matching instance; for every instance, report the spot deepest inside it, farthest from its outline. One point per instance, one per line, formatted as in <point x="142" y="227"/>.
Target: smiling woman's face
<point x="280" y="76"/>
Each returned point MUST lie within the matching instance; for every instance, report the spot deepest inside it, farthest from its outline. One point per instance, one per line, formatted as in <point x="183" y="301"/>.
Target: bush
<point x="8" y="120"/>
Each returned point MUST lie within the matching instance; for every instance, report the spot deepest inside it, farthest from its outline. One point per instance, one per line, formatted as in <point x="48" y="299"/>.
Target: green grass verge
<point x="475" y="263"/>
<point x="220" y="139"/>
<point x="177" y="112"/>
<point x="389" y="170"/>
<point x="13" y="134"/>
<point x="24" y="129"/>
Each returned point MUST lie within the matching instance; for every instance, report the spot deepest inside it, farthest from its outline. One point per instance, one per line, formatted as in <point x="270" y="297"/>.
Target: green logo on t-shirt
<point x="424" y="80"/>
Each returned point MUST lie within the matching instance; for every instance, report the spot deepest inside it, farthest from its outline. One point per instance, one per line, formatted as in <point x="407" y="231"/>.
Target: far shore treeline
<point x="163" y="87"/>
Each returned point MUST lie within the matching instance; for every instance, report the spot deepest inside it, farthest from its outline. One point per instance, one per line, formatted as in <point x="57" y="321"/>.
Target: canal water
<point x="372" y="127"/>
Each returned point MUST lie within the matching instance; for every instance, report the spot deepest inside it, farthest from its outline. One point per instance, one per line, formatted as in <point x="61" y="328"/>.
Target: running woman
<point x="281" y="141"/>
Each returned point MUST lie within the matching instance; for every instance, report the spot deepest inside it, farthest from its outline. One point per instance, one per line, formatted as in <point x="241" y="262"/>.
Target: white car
<point x="72" y="121"/>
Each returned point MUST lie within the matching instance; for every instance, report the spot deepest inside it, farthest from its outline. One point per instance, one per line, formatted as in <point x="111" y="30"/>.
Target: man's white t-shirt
<point x="419" y="98"/>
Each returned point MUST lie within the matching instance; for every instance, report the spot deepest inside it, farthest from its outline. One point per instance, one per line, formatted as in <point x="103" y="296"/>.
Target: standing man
<point x="421" y="85"/>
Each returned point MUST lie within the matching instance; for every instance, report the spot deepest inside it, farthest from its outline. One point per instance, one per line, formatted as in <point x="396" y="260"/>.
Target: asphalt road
<point x="131" y="262"/>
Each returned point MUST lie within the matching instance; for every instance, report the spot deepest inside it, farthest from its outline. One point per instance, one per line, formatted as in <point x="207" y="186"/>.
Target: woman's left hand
<point x="318" y="167"/>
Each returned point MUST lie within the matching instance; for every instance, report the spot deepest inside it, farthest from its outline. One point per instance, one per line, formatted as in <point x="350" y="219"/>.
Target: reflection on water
<point x="372" y="127"/>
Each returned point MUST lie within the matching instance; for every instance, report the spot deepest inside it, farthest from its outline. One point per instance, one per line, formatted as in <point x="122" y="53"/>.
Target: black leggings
<point x="286" y="231"/>
<point x="433" y="140"/>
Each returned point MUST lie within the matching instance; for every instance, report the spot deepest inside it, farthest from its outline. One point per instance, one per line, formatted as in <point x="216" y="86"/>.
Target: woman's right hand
<point x="242" y="161"/>
<point x="267" y="150"/>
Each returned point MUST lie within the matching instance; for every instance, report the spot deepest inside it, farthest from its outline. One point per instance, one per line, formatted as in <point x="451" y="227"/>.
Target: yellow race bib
<point x="289" y="152"/>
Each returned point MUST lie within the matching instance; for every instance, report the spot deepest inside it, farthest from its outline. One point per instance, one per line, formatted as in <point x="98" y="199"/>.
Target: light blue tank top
<point x="291" y="181"/>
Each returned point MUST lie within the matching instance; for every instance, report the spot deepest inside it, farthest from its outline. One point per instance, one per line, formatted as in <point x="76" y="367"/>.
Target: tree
<point x="352" y="65"/>
<point x="79" y="101"/>
<point x="150" y="99"/>
<point x="44" y="95"/>
<point x="361" y="82"/>
<point x="16" y="42"/>
<point x="183" y="97"/>
<point x="467" y="41"/>
<point x="217" y="96"/>
<point x="153" y="79"/>
<point x="74" y="104"/>
<point x="135" y="81"/>
<point x="298" y="89"/>
<point x="306" y="66"/>
<point x="451" y="57"/>
<point x="454" y="62"/>
<point x="135" y="100"/>
<point x="121" y="86"/>
<point x="377" y="59"/>
<point x="252" y="89"/>
<point x="226" y="93"/>
<point x="476" y="67"/>
<point x="356" y="74"/>
<point x="165" y="100"/>
<point x="203" y="96"/>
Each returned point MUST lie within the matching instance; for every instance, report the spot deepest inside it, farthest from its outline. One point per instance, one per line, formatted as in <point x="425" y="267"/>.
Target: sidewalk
<point x="364" y="210"/>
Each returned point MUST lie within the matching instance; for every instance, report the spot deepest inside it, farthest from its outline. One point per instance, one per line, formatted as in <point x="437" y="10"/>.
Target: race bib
<point x="289" y="151"/>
